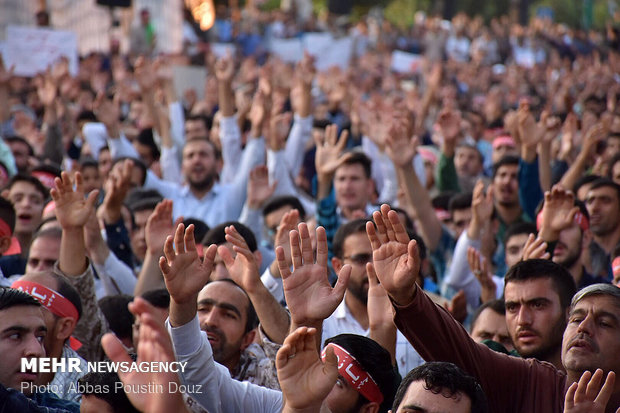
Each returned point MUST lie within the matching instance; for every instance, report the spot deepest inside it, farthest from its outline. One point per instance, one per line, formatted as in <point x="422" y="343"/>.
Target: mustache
<point x="582" y="337"/>
<point x="215" y="331"/>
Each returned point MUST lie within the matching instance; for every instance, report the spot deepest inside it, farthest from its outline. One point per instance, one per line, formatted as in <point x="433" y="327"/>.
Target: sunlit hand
<point x="243" y="268"/>
<point x="535" y="248"/>
<point x="72" y="209"/>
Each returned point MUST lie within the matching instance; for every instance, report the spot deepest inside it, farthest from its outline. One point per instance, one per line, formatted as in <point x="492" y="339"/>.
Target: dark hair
<point x="217" y="236"/>
<point x="506" y="160"/>
<point x="21" y="177"/>
<point x="49" y="168"/>
<point x="86" y="116"/>
<point x="159" y="298"/>
<point x="88" y="162"/>
<point x="68" y="291"/>
<point x="11" y="297"/>
<point x="120" y="320"/>
<point x="106" y="380"/>
<point x="136" y="162"/>
<point x="140" y="199"/>
<point x="252" y="318"/>
<point x="584" y="180"/>
<point x="278" y="202"/>
<point x="496" y="305"/>
<point x="208" y="121"/>
<point x="604" y="182"/>
<point x="376" y="361"/>
<point x="359" y="158"/>
<point x="53" y="232"/>
<point x="447" y="379"/>
<point x="472" y="147"/>
<point x="460" y="201"/>
<point x="344" y="231"/>
<point x="321" y="124"/>
<point x="200" y="228"/>
<point x="145" y="137"/>
<point x="7" y="213"/>
<point x="19" y="139"/>
<point x="408" y="222"/>
<point x="519" y="228"/>
<point x="562" y="280"/>
<point x="442" y="200"/>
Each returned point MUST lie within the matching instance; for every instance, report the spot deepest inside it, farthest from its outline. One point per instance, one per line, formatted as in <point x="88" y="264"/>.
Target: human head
<point x="22" y="331"/>
<point x="442" y="384"/>
<point x="91" y="177"/>
<point x="503" y="145"/>
<point x="160" y="300"/>
<point x="44" y="250"/>
<point x="22" y="151"/>
<point x="506" y="182"/>
<point x="28" y="195"/>
<point x="141" y="203"/>
<point x="61" y="316"/>
<point x="227" y="315"/>
<point x="217" y="236"/>
<point x="489" y="323"/>
<point x="352" y="183"/>
<point x="582" y="186"/>
<point x="468" y="160"/>
<point x="592" y="336"/>
<point x="120" y="320"/>
<point x="460" y="211"/>
<point x="613" y="171"/>
<point x="146" y="147"/>
<point x="603" y="203"/>
<point x="537" y="293"/>
<point x="197" y="126"/>
<point x="94" y="401"/>
<point x="514" y="240"/>
<point x="351" y="246"/>
<point x="138" y="174"/>
<point x="373" y="359"/>
<point x="7" y="224"/>
<point x="104" y="162"/>
<point x="199" y="164"/>
<point x="276" y="207"/>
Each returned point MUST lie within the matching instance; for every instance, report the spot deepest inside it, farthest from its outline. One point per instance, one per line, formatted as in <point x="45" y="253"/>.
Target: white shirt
<point x="343" y="322"/>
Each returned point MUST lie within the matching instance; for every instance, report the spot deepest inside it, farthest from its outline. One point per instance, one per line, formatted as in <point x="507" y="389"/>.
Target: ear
<point x="64" y="328"/>
<point x="248" y="339"/>
<point x="259" y="257"/>
<point x="371" y="407"/>
<point x="5" y="243"/>
<point x="336" y="264"/>
<point x="5" y="194"/>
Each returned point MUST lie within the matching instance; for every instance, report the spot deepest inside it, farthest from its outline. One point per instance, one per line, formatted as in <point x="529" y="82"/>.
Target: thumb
<point x="372" y="275"/>
<point x="226" y="256"/>
<point x="343" y="280"/>
<point x="330" y="363"/>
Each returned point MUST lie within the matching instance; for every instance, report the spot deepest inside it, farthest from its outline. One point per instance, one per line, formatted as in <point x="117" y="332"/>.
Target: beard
<point x="572" y="256"/>
<point x="201" y="185"/>
<point x="359" y="291"/>
<point x="552" y="346"/>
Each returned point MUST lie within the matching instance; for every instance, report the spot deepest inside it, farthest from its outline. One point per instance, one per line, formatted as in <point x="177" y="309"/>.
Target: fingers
<point x="330" y="363"/>
<point x="381" y="230"/>
<point x="307" y="254"/>
<point x="372" y="236"/>
<point x="114" y="349"/>
<point x="209" y="257"/>
<point x="580" y="394"/>
<point x="233" y="236"/>
<point x="389" y="228"/>
<point x="321" y="247"/>
<point x="169" y="249"/>
<point x="373" y="281"/>
<point x="594" y="384"/>
<point x="189" y="240"/>
<point x="343" y="281"/>
<point x="295" y="249"/>
<point x="400" y="233"/>
<point x="226" y="256"/>
<point x="285" y="271"/>
<point x="607" y="390"/>
<point x="342" y="142"/>
<point x="413" y="259"/>
<point x="570" y="396"/>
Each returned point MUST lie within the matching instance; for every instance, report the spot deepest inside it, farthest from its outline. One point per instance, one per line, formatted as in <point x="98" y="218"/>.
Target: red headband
<point x="503" y="140"/>
<point x="5" y="230"/>
<point x="353" y="372"/>
<point x="49" y="299"/>
<point x="579" y="219"/>
<point x="46" y="178"/>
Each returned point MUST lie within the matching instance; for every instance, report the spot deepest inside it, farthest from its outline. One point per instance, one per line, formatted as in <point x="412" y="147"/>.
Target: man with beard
<point x="351" y="246"/>
<point x="563" y="224"/>
<point x="537" y="294"/>
<point x="603" y="203"/>
<point x="203" y="197"/>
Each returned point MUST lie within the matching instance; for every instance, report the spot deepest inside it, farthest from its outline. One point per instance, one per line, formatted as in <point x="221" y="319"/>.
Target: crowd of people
<point x="347" y="240"/>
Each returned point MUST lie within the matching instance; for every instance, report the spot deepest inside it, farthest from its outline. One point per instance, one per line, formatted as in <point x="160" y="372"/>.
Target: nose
<point x="586" y="325"/>
<point x="524" y="317"/>
<point x="34" y="347"/>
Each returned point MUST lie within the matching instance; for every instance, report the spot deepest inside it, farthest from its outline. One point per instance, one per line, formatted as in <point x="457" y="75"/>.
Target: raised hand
<point x="243" y="268"/>
<point x="288" y="223"/>
<point x="225" y="69"/>
<point x="458" y="306"/>
<point x="154" y="346"/>
<point x="108" y="113"/>
<point x="279" y="126"/>
<point x="480" y="268"/>
<point x="145" y="74"/>
<point x="159" y="226"/>
<point x="584" y="396"/>
<point x="399" y="147"/>
<point x="184" y="273"/>
<point x="558" y="213"/>
<point x="535" y="248"/>
<point x="449" y="124"/>
<point x="530" y="132"/>
<point x="309" y="295"/>
<point x="395" y="257"/>
<point x="116" y="188"/>
<point x="327" y="158"/>
<point x="47" y="90"/>
<point x="72" y="209"/>
<point x="305" y="380"/>
<point x="259" y="190"/>
<point x="481" y="204"/>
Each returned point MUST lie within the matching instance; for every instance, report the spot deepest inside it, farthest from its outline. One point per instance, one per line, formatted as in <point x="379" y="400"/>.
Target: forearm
<point x="447" y="178"/>
<point x="418" y="198"/>
<point x="385" y="335"/>
<point x="150" y="277"/>
<point x="52" y="148"/>
<point x="544" y="166"/>
<point x="324" y="186"/>
<point x="575" y="171"/>
<point x="182" y="313"/>
<point x="72" y="261"/>
<point x="226" y="98"/>
<point x="272" y="316"/>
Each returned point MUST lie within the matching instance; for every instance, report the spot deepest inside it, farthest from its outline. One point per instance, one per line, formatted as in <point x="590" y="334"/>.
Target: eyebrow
<point x="225" y="306"/>
<point x="415" y="408"/>
<point x="601" y="313"/>
<point x="22" y="329"/>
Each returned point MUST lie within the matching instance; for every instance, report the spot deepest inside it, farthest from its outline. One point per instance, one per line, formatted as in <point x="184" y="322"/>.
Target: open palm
<point x="184" y="273"/>
<point x="72" y="209"/>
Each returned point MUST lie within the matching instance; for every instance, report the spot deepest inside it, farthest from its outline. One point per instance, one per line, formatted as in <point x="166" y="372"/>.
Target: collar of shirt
<point x="215" y="189"/>
<point x="370" y="208"/>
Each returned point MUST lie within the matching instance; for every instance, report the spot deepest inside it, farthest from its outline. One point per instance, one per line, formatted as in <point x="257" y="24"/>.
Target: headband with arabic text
<point x="49" y="299"/>
<point x="353" y="372"/>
